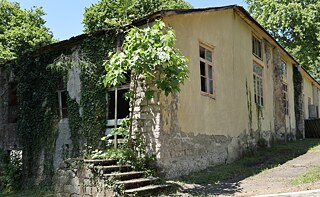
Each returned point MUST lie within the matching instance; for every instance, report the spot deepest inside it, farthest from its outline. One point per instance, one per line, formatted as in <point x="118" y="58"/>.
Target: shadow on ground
<point x="225" y="179"/>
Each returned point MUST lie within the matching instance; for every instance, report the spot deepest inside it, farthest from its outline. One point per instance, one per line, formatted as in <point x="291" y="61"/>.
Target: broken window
<point x="256" y="47"/>
<point x="62" y="99"/>
<point x="285" y="100"/>
<point x="118" y="105"/>
<point x="206" y="69"/>
<point x="258" y="84"/>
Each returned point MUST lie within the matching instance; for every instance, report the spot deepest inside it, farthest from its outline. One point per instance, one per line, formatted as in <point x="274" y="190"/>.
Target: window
<point x="256" y="47"/>
<point x="258" y="84"/>
<point x="206" y="70"/>
<point x="283" y="69"/>
<point x="62" y="99"/>
<point x="285" y="101"/>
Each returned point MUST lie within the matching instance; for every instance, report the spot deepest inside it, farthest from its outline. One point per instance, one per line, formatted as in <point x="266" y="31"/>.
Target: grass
<point x="264" y="158"/>
<point x="29" y="193"/>
<point x="311" y="176"/>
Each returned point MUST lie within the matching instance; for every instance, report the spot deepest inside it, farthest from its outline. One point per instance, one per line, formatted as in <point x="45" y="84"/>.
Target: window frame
<point x="258" y="87"/>
<point x="255" y="48"/>
<point x="285" y="98"/>
<point x="210" y="85"/>
<point x="62" y="107"/>
<point x="284" y="69"/>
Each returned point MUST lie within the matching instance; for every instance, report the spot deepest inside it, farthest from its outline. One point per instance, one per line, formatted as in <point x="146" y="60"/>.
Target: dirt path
<point x="275" y="180"/>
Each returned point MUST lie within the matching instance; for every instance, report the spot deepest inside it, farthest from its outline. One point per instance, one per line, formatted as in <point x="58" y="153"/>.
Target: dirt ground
<point x="272" y="181"/>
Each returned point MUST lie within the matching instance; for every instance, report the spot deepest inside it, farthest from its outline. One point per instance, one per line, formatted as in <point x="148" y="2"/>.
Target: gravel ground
<point x="272" y="181"/>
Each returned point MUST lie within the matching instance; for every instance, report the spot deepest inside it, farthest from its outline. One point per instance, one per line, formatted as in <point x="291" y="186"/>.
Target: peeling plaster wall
<point x="190" y="131"/>
<point x="63" y="146"/>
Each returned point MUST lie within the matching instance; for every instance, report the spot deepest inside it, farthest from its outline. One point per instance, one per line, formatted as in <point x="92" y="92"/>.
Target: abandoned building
<point x="241" y="89"/>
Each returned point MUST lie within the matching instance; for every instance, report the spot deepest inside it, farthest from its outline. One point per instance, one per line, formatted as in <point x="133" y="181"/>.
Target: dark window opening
<point x="62" y="99"/>
<point x="256" y="47"/>
<point x="122" y="104"/>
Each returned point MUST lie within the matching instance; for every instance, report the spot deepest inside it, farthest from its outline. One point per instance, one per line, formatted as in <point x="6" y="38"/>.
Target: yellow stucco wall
<point x="231" y="38"/>
<point x="309" y="85"/>
<point x="226" y="114"/>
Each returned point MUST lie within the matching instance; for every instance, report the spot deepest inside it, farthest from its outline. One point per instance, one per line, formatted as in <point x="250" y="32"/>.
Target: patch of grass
<point x="263" y="159"/>
<point x="311" y="176"/>
<point x="314" y="149"/>
<point x="29" y="193"/>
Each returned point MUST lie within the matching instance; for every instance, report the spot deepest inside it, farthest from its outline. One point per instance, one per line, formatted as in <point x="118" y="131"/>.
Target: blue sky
<point x="64" y="17"/>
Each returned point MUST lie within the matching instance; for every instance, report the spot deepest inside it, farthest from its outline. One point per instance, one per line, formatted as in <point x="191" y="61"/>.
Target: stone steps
<point x="126" y="175"/>
<point x="134" y="182"/>
<point x="101" y="162"/>
<point x="114" y="168"/>
<point x="149" y="190"/>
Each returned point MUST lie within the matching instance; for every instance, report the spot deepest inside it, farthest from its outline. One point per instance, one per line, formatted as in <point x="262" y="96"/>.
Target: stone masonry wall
<point x="179" y="153"/>
<point x="74" y="178"/>
<point x="279" y="115"/>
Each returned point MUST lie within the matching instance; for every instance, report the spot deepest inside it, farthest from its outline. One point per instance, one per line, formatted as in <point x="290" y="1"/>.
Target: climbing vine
<point x="93" y="97"/>
<point x="298" y="86"/>
<point x="38" y="74"/>
<point x="37" y="114"/>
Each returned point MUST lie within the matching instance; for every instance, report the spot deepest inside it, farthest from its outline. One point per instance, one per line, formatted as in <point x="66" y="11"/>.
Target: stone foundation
<point x="74" y="178"/>
<point x="181" y="153"/>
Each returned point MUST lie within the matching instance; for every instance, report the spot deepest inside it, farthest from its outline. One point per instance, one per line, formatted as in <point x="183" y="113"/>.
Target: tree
<point x="21" y="30"/>
<point x="147" y="52"/>
<point x="295" y="24"/>
<point x="106" y="13"/>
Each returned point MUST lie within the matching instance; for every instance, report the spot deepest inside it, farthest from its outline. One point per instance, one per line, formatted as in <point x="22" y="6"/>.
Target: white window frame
<point x="258" y="85"/>
<point x="257" y="49"/>
<point x="209" y="71"/>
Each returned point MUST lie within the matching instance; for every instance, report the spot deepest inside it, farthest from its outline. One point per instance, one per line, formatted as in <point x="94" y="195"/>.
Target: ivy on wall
<point x="298" y="102"/>
<point x="38" y="105"/>
<point x="36" y="115"/>
<point x="93" y="94"/>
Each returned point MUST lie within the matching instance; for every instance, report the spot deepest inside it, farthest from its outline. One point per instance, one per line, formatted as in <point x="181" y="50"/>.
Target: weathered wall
<point x="189" y="131"/>
<point x="8" y="134"/>
<point x="76" y="179"/>
<point x="64" y="144"/>
<point x="308" y="93"/>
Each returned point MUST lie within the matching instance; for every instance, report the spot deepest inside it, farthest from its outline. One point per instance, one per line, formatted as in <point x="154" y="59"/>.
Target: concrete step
<point x="136" y="183"/>
<point x="149" y="190"/>
<point x="101" y="162"/>
<point x="126" y="175"/>
<point x="113" y="168"/>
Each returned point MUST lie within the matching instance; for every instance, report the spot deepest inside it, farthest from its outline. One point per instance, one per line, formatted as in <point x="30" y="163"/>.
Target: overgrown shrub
<point x="10" y="171"/>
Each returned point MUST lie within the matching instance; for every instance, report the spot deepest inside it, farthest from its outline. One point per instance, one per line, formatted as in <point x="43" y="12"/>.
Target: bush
<point x="10" y="170"/>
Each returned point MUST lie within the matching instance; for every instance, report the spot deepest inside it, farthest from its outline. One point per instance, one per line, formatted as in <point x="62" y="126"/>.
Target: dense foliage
<point x="105" y="13"/>
<point x="295" y="24"/>
<point x="21" y="30"/>
<point x="10" y="171"/>
<point x="147" y="52"/>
